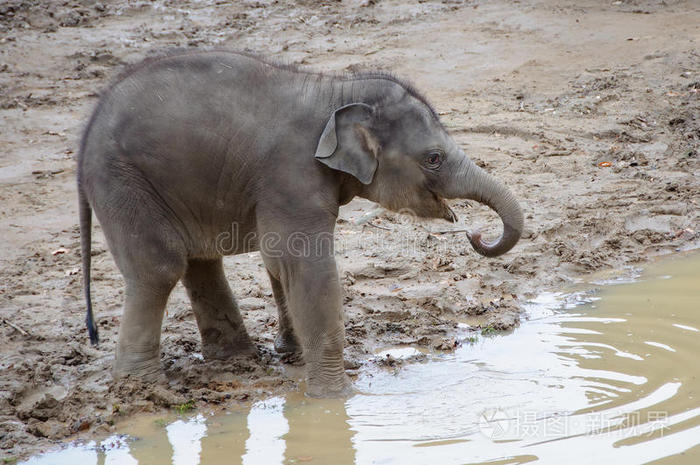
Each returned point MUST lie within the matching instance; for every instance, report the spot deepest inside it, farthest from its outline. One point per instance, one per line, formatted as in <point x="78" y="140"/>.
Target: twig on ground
<point x="369" y="216"/>
<point x="16" y="328"/>
<point x="369" y="223"/>
<point x="450" y="231"/>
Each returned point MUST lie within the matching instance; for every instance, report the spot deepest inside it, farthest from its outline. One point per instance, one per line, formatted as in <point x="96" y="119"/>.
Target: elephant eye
<point x="433" y="160"/>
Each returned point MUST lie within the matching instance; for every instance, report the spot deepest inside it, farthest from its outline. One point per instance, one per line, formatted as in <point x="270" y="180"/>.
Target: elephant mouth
<point x="444" y="210"/>
<point x="449" y="215"/>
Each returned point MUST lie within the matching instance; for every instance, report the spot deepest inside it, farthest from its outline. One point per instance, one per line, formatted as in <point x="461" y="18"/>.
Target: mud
<point x="589" y="111"/>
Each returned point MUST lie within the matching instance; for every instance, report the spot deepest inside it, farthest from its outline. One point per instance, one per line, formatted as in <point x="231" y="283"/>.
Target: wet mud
<point x="604" y="370"/>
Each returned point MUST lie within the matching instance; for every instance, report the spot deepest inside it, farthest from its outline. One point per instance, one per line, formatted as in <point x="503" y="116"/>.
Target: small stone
<point x="162" y="397"/>
<point x="50" y="429"/>
<point x="81" y="424"/>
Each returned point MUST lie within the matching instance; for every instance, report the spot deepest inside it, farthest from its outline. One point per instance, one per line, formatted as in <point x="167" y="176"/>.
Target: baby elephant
<point x="192" y="156"/>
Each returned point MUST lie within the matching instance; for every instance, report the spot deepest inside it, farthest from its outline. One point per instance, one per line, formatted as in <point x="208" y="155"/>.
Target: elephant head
<point x="401" y="157"/>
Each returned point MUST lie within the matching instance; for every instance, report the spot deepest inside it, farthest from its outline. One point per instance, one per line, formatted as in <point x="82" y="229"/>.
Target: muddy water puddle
<point x="607" y="373"/>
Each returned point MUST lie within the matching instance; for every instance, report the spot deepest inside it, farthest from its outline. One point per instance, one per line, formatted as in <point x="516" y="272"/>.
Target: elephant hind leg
<point x="215" y="309"/>
<point x="151" y="261"/>
<point x="138" y="348"/>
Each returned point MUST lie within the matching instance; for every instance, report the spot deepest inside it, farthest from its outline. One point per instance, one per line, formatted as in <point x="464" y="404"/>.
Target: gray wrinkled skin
<point x="186" y="149"/>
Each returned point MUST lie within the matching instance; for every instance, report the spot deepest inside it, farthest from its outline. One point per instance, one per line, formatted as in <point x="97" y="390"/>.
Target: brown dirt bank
<point x="589" y="111"/>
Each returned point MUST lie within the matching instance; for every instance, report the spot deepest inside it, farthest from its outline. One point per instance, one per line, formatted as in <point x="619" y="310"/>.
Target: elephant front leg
<point x="286" y="341"/>
<point x="314" y="299"/>
<point x="219" y="321"/>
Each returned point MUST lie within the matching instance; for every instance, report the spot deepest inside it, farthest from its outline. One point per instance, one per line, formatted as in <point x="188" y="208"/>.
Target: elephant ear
<point x="347" y="143"/>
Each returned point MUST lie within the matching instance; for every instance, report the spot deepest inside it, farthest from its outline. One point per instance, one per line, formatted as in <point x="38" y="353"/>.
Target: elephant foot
<point x="339" y="389"/>
<point x="146" y="370"/>
<point x="213" y="351"/>
<point x="218" y="345"/>
<point x="286" y="343"/>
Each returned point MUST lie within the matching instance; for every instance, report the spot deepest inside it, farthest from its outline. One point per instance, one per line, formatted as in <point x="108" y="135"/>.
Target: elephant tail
<point x="86" y="255"/>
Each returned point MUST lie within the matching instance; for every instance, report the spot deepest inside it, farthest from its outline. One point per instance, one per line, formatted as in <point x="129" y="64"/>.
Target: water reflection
<point x="319" y="431"/>
<point x="225" y="441"/>
<point x="274" y="431"/>
<point x="615" y="379"/>
<point x="266" y="426"/>
<point x="156" y="448"/>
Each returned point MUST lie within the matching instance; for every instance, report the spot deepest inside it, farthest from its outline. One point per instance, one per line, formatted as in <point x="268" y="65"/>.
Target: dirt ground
<point x="589" y="110"/>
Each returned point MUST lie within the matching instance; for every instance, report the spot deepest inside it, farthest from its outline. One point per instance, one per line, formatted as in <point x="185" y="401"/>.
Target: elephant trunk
<point x="471" y="182"/>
